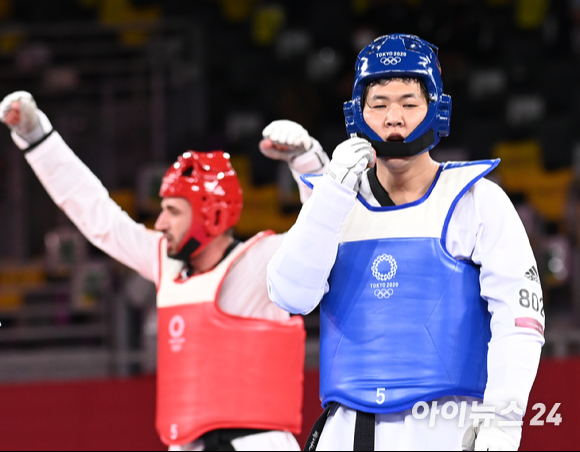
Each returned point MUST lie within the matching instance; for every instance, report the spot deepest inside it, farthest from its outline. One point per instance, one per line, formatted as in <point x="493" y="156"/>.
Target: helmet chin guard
<point x="210" y="185"/>
<point x="401" y="56"/>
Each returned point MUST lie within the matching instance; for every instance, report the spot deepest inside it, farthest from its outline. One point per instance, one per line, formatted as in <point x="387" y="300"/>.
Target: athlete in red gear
<point x="230" y="362"/>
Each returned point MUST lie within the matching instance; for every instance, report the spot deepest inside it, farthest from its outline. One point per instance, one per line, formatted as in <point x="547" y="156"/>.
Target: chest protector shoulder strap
<point x="217" y="370"/>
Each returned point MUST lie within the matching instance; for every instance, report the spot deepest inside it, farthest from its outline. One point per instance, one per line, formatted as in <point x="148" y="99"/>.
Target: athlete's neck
<point x="407" y="179"/>
<point x="211" y="255"/>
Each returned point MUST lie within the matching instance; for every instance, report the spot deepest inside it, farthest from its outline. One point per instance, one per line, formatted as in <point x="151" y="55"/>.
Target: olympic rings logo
<point x="383" y="293"/>
<point x="390" y="61"/>
<point x="176" y="326"/>
<point x="384" y="276"/>
<point x="176" y="330"/>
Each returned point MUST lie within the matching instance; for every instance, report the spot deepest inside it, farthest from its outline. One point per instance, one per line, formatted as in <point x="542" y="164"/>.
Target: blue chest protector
<point x="403" y="321"/>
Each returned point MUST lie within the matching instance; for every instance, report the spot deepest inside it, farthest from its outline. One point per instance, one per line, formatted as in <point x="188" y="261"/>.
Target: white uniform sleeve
<point x="244" y="292"/>
<point x="510" y="285"/>
<point x="298" y="273"/>
<point x="78" y="192"/>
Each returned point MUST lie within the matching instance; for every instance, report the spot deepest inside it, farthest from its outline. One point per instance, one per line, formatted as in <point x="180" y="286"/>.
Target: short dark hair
<point x="384" y="81"/>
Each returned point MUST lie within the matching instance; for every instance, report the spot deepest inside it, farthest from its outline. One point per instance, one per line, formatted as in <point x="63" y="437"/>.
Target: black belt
<point x="364" y="430"/>
<point x="316" y="431"/>
<point x="218" y="440"/>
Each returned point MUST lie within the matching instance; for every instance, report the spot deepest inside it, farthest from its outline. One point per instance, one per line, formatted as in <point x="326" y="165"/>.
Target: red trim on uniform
<point x="249" y="244"/>
<point x="528" y="322"/>
<point x="178" y="279"/>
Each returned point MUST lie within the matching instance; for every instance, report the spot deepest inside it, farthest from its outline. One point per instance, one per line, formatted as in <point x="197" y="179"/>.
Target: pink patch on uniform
<point x="527" y="322"/>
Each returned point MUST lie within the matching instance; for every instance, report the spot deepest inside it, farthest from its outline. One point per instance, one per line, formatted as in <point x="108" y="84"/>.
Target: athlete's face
<point x="395" y="109"/>
<point x="174" y="221"/>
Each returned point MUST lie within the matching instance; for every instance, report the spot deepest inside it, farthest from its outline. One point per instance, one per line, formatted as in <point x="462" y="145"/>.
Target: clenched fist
<point x="349" y="160"/>
<point x="285" y="140"/>
<point x="28" y="124"/>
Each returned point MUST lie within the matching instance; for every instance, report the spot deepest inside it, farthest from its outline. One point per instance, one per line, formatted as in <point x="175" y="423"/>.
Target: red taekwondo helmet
<point x="210" y="184"/>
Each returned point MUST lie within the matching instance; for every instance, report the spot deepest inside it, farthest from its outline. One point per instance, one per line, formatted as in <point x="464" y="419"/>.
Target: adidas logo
<point x="532" y="275"/>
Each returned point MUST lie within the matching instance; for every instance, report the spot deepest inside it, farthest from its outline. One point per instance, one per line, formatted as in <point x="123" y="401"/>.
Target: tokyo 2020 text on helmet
<point x="401" y="56"/>
<point x="210" y="184"/>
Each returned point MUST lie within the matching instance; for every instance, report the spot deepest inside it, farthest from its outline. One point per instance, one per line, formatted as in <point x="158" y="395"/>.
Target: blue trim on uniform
<point x="492" y="165"/>
<point x="452" y="165"/>
<point x="403" y="206"/>
<point x="405" y="406"/>
<point x="306" y="179"/>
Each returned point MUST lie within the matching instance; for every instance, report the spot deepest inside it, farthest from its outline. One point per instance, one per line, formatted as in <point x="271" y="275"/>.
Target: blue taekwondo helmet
<point x="401" y="56"/>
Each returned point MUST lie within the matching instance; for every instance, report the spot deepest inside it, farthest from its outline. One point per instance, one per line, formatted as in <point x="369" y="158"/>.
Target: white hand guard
<point x="496" y="439"/>
<point x="313" y="161"/>
<point x="27" y="123"/>
<point x="491" y="438"/>
<point x="349" y="160"/>
<point x="289" y="140"/>
<point x="468" y="443"/>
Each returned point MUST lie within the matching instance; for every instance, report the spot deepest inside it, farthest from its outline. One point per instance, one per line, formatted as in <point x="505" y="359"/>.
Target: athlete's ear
<point x="373" y="162"/>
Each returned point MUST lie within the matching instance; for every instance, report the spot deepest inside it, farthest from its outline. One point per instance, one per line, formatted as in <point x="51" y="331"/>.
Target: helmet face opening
<point x="210" y="184"/>
<point x="401" y="56"/>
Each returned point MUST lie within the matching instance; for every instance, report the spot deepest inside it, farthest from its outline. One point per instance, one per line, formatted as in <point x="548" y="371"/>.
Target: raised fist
<point x="349" y="160"/>
<point x="20" y="113"/>
<point x="285" y="140"/>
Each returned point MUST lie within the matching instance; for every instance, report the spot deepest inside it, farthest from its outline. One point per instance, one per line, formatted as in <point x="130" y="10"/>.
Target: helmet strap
<point x="190" y="247"/>
<point x="401" y="149"/>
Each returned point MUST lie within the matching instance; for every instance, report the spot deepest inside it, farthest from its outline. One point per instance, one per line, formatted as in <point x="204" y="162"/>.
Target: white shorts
<point x="400" y="431"/>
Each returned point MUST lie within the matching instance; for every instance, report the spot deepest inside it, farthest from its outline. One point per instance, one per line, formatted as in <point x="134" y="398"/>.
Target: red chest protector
<point x="217" y="370"/>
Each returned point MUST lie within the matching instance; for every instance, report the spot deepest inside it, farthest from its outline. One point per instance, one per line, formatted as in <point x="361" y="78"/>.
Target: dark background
<point x="131" y="84"/>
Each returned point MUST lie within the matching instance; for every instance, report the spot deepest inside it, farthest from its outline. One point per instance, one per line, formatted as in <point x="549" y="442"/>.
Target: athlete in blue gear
<point x="430" y="306"/>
